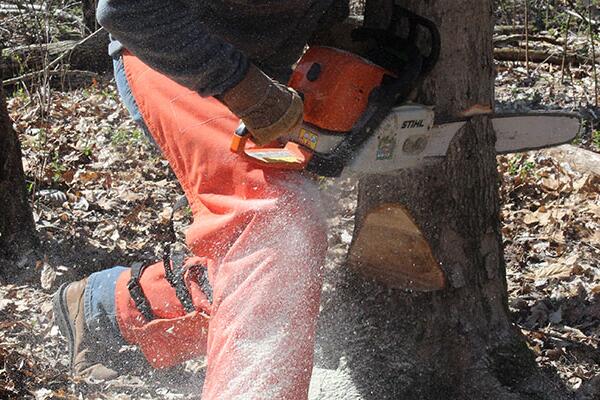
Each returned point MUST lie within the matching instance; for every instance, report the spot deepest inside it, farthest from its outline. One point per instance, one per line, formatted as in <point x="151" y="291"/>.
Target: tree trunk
<point x="89" y="14"/>
<point x="459" y="342"/>
<point x="17" y="230"/>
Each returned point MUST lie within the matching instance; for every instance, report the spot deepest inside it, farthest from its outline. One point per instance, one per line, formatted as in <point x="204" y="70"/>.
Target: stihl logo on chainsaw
<point x="417" y="123"/>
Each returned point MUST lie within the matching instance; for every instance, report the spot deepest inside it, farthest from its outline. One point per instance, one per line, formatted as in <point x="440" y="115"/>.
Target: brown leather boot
<point x="85" y="353"/>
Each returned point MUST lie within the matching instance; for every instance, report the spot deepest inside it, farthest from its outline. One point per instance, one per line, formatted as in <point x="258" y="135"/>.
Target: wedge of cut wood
<point x="389" y="247"/>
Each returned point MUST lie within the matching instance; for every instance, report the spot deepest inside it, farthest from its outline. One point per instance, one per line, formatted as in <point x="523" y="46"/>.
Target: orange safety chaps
<point x="261" y="235"/>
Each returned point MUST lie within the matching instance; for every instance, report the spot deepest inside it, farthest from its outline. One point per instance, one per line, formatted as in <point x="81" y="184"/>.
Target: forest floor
<point x="102" y="197"/>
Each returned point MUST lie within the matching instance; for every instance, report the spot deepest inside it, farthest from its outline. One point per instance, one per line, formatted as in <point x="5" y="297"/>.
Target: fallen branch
<point x="88" y="54"/>
<point x="509" y="39"/>
<point x="511" y="29"/>
<point x="580" y="160"/>
<point x="24" y="8"/>
<point x="537" y="56"/>
<point x="583" y="18"/>
<point x="54" y="62"/>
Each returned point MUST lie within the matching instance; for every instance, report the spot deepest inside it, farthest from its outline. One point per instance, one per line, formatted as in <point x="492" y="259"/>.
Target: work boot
<point x="84" y="352"/>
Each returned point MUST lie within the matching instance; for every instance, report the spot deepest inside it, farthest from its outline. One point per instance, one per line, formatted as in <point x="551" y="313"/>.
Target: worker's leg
<point x="85" y="311"/>
<point x="261" y="234"/>
<point x="127" y="97"/>
<point x="267" y="291"/>
<point x="167" y="334"/>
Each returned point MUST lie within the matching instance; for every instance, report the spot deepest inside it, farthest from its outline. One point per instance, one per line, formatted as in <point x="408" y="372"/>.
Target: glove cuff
<point x="286" y="123"/>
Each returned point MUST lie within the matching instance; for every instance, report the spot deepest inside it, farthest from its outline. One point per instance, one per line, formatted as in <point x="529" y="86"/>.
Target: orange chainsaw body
<point x="335" y="86"/>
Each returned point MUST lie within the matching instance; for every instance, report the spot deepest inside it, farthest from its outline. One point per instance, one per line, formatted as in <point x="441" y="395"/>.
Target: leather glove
<point x="267" y="108"/>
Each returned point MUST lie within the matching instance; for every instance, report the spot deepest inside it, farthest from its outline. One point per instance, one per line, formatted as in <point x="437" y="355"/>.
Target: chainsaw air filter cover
<point x="335" y="85"/>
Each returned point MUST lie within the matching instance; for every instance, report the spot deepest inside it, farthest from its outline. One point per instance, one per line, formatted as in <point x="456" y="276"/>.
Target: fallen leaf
<point x="47" y="276"/>
<point x="86" y="176"/>
<point x="554" y="271"/>
<point x="550" y="184"/>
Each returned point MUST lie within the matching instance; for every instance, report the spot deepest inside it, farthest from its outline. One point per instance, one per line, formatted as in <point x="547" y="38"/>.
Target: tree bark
<point x="89" y="14"/>
<point x="459" y="342"/>
<point x="17" y="229"/>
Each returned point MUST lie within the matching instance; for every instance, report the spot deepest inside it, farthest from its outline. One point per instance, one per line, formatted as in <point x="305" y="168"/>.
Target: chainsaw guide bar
<point x="408" y="138"/>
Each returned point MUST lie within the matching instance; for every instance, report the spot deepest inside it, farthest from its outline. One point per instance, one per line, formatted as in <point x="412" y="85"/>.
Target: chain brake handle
<point x="390" y="41"/>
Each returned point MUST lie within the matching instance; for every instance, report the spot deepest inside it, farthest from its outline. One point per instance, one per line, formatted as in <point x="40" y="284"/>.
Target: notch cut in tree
<point x="458" y="342"/>
<point x="389" y="247"/>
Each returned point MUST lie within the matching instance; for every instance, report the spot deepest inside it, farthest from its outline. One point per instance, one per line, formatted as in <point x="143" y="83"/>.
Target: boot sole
<point x="61" y="317"/>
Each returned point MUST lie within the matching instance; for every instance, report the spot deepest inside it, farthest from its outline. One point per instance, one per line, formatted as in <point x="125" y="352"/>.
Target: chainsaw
<point x="357" y="116"/>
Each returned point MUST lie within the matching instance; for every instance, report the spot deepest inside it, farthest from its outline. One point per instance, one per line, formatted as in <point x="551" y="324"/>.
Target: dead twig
<point x="22" y="8"/>
<point x="593" y="50"/>
<point x="565" y="49"/>
<point x="527" y="36"/>
<point x="69" y="74"/>
<point x="559" y="336"/>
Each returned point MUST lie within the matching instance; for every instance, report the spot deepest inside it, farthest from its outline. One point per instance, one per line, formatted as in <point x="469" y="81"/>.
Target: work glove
<point x="267" y="108"/>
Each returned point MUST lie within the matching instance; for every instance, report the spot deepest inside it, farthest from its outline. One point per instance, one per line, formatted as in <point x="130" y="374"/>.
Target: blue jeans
<point x="99" y="304"/>
<point x="127" y="97"/>
<point x="99" y="301"/>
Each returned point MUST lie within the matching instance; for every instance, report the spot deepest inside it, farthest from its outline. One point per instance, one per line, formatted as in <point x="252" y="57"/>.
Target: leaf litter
<point x="552" y="250"/>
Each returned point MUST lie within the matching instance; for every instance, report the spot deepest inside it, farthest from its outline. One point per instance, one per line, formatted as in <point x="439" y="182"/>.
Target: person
<point x="188" y="71"/>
